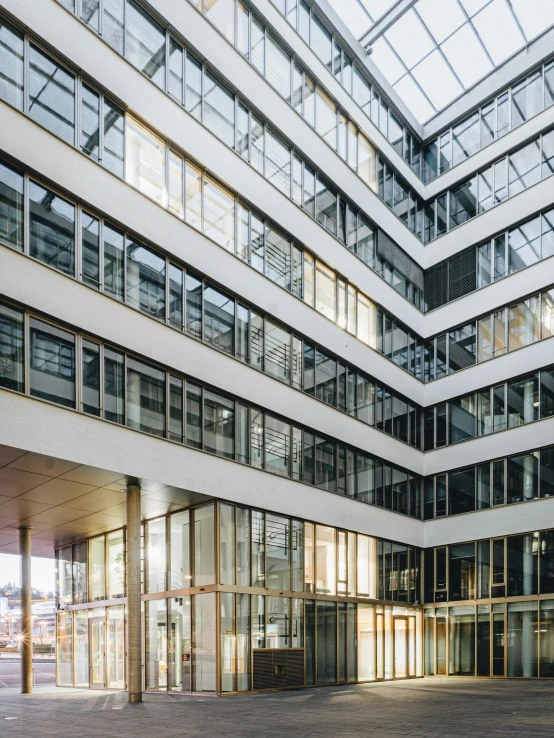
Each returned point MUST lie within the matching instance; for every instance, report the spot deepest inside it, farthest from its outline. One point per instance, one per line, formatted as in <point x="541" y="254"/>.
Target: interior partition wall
<point x="238" y="600"/>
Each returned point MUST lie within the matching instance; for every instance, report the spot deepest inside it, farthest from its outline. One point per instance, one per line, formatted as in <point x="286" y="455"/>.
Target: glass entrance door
<point x="400" y="647"/>
<point x="97" y="640"/>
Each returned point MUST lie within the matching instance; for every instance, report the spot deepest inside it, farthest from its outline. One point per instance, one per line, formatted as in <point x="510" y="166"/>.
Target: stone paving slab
<point x="441" y="708"/>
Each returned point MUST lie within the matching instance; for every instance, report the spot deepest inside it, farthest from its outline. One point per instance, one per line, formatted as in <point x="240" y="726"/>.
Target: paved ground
<point x="420" y="708"/>
<point x="10" y="674"/>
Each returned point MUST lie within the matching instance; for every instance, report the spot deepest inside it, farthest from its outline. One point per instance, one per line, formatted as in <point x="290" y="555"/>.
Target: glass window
<point x="461" y="571"/>
<point x="325" y="291"/>
<point x="51" y="95"/>
<point x="465" y="138"/>
<point x="461" y="496"/>
<point x="524" y="323"/>
<point x="221" y="14"/>
<point x="180" y="556"/>
<point x="145" y="397"/>
<point x="175" y="68"/>
<point x="11" y="202"/>
<point x="277" y="163"/>
<point x="277" y="257"/>
<point x="462" y="346"/>
<point x="114" y="375"/>
<point x="326" y="206"/>
<point x="116" y="564"/>
<point x="523" y="401"/>
<point x="325" y="558"/>
<point x="156" y="555"/>
<point x="11" y="348"/>
<point x="91" y="378"/>
<point x="52" y="363"/>
<point x="326" y="118"/>
<point x="523" y="477"/>
<point x="483" y="265"/>
<point x="527" y="98"/>
<point x="90" y="239"/>
<point x="219" y="319"/>
<point x="204" y="642"/>
<point x="11" y="63"/>
<point x="175" y="307"/>
<point x="462" y="418"/>
<point x="145" y="279"/>
<point x="522" y="564"/>
<point x="547" y="392"/>
<point x="145" y="161"/>
<point x="277" y="446"/>
<point x="204" y="545"/>
<point x="487" y="124"/>
<point x="219" y="425"/>
<point x="522" y="639"/>
<point x="524" y="244"/>
<point x="114" y="138"/>
<point x="277" y="352"/>
<point x="194" y="416"/>
<point x="175" y="184"/>
<point x="463" y="202"/>
<point x="176" y="431"/>
<point x="277" y="67"/>
<point x="145" y="43"/>
<point x="326" y="641"/>
<point x="112" y="23"/>
<point x="524" y="167"/>
<point x="193" y="86"/>
<point x="547" y="154"/>
<point x="193" y="196"/>
<point x="219" y="214"/>
<point x="114" y="259"/>
<point x="277" y="553"/>
<point x="320" y="41"/>
<point x="90" y="122"/>
<point x="52" y="229"/>
<point x="97" y="568"/>
<point x="325" y="378"/>
<point x="219" y="109"/>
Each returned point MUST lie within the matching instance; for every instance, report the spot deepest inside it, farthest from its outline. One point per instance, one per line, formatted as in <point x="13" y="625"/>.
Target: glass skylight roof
<point x="436" y="49"/>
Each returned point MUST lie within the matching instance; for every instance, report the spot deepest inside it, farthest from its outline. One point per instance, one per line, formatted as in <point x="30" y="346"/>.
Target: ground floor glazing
<point x="227" y="642"/>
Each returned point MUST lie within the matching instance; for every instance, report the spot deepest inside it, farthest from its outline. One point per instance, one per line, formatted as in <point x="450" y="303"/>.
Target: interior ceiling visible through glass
<point x="437" y="49"/>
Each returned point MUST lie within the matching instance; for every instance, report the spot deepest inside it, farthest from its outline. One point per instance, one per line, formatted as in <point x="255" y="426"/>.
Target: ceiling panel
<point x="41" y="464"/>
<point x="14" y="482"/>
<point x="22" y="509"/>
<point x="9" y="454"/>
<point x="57" y="492"/>
<point x="91" y="475"/>
<point x="97" y="500"/>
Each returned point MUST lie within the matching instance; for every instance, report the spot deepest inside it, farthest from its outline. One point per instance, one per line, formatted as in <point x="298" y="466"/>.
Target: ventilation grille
<point x="461" y="274"/>
<point x="450" y="279"/>
<point x="436" y="286"/>
<point x="278" y="668"/>
<point x="396" y="257"/>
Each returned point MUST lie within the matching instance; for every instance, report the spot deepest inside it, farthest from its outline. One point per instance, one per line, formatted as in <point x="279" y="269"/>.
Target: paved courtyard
<point x="465" y="707"/>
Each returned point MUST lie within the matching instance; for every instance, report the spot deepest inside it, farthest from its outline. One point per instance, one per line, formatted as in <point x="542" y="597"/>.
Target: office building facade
<point x="276" y="295"/>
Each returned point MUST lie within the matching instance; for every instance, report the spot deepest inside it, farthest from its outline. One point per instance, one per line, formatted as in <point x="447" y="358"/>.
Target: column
<point x="26" y="646"/>
<point x="134" y="638"/>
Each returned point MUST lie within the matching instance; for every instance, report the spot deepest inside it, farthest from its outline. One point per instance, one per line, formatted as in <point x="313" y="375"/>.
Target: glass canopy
<point x="434" y="50"/>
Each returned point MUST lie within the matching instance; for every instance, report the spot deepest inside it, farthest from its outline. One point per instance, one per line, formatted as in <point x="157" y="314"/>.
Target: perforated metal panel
<point x="436" y="286"/>
<point x="462" y="274"/>
<point x="390" y="251"/>
<point x="278" y="668"/>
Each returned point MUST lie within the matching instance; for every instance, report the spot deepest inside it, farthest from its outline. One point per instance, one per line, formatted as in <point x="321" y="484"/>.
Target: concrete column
<point x="134" y="638"/>
<point x="26" y="645"/>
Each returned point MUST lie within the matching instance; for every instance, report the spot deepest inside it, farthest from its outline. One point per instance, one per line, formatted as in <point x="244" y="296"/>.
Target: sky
<point x="43" y="575"/>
